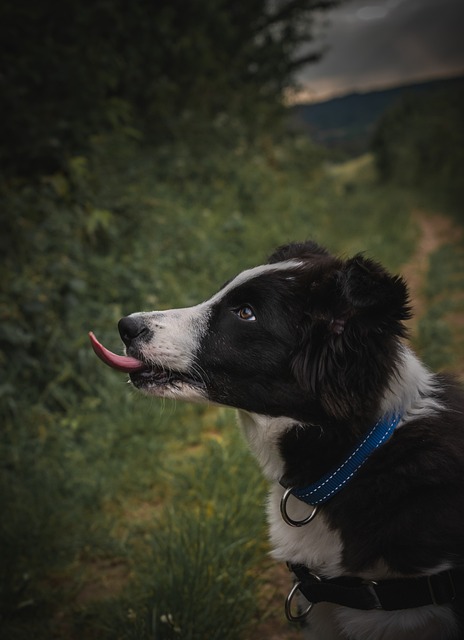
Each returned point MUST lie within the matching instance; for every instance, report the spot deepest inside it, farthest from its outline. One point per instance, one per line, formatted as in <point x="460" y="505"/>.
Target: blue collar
<point x="333" y="481"/>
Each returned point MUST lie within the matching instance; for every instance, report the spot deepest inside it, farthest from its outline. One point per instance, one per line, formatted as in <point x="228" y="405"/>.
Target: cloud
<point x="375" y="43"/>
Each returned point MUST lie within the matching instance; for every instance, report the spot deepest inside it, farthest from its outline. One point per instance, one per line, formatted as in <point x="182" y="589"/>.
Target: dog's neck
<point x="263" y="434"/>
<point x="411" y="392"/>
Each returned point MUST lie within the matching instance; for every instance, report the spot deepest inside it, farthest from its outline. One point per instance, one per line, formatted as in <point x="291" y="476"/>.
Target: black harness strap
<point x="389" y="595"/>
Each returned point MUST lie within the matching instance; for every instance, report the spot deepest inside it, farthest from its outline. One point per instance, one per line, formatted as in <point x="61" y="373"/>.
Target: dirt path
<point x="435" y="230"/>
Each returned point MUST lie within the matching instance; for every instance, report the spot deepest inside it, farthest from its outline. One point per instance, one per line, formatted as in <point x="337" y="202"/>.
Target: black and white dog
<point x="362" y="445"/>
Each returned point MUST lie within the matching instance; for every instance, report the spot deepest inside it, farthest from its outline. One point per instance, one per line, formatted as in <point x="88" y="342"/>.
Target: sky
<point x="374" y="44"/>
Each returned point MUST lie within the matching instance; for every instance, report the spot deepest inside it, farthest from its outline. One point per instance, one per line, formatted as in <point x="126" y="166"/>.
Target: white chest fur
<point x="314" y="545"/>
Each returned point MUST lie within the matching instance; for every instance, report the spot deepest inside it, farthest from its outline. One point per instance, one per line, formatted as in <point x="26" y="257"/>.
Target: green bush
<point x="164" y="70"/>
<point x="420" y="143"/>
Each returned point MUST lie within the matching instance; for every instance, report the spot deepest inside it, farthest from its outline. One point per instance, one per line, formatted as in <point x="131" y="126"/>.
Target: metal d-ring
<point x="283" y="511"/>
<point x="289" y="599"/>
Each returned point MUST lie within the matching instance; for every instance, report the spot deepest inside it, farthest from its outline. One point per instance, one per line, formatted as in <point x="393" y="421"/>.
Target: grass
<point x="179" y="513"/>
<point x="195" y="554"/>
<point x="440" y="338"/>
<point x="128" y="517"/>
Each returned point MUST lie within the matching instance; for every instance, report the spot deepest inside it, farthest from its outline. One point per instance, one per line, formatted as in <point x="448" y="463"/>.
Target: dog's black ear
<point x="373" y="297"/>
<point x="349" y="338"/>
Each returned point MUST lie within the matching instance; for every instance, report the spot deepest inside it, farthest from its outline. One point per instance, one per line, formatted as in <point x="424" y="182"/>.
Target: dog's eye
<point x="246" y="313"/>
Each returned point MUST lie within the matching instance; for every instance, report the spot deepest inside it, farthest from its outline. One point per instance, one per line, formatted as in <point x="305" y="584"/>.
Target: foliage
<point x="173" y="562"/>
<point x="420" y="143"/>
<point x="167" y="69"/>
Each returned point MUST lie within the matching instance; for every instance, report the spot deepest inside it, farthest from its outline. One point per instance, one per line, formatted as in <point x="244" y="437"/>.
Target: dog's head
<point x="305" y="335"/>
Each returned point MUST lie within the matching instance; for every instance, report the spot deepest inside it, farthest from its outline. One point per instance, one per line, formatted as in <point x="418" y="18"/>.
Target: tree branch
<point x="294" y="6"/>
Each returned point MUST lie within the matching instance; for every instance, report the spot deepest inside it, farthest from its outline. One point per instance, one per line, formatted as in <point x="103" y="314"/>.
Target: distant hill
<point x="347" y="122"/>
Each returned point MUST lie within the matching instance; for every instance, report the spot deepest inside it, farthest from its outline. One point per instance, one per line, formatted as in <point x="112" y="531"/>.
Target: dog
<point x="363" y="446"/>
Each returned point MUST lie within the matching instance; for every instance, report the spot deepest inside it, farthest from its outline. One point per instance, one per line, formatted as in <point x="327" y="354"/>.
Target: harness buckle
<point x="288" y="601"/>
<point x="371" y="585"/>
<point x="436" y="599"/>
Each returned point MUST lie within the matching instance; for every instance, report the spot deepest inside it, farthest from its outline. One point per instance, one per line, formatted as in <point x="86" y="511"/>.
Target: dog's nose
<point x="131" y="328"/>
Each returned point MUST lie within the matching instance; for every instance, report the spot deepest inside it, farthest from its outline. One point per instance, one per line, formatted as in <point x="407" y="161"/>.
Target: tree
<point x="73" y="69"/>
<point x="419" y="143"/>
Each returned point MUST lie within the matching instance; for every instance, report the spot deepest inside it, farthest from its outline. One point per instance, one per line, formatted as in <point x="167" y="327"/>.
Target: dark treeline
<point x="419" y="144"/>
<point x="161" y="68"/>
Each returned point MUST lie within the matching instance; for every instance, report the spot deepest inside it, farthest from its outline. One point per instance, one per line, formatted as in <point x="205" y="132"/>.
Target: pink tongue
<point x="121" y="363"/>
